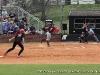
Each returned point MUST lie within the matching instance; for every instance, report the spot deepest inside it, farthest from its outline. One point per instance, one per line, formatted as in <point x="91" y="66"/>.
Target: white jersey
<point x="48" y="36"/>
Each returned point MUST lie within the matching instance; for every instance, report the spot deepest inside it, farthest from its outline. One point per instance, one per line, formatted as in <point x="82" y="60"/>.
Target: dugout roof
<point x="84" y="13"/>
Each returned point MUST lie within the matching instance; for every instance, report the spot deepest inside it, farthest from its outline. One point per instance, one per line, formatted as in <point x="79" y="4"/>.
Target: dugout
<point x="49" y="22"/>
<point x="78" y="17"/>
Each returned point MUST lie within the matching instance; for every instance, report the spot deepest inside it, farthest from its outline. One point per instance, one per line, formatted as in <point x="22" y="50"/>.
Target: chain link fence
<point x="21" y="13"/>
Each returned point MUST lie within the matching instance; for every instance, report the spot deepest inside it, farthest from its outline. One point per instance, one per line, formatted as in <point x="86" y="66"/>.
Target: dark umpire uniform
<point x="17" y="41"/>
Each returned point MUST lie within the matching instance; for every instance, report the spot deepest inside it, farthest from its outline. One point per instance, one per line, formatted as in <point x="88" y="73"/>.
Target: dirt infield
<point x="58" y="53"/>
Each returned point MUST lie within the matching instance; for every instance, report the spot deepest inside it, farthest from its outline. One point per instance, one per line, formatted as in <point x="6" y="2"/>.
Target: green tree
<point x="33" y="6"/>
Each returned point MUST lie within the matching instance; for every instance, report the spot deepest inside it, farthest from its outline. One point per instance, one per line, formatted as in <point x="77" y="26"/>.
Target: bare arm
<point x="86" y="29"/>
<point x="23" y="40"/>
<point x="11" y="39"/>
<point x="88" y="23"/>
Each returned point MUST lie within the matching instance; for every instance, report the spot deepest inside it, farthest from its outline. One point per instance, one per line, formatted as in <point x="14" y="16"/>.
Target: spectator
<point x="11" y="30"/>
<point x="4" y="29"/>
<point x="17" y="21"/>
<point x="39" y="31"/>
<point x="8" y="26"/>
<point x="24" y="19"/>
<point x="21" y="25"/>
<point x="26" y="27"/>
<point x="56" y="30"/>
<point x="32" y="29"/>
<point x="1" y="17"/>
<point x="4" y="14"/>
<point x="14" y="28"/>
<point x="12" y="16"/>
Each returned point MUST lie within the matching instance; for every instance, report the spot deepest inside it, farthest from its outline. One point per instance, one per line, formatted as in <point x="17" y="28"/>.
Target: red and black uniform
<point x="51" y="29"/>
<point x="17" y="41"/>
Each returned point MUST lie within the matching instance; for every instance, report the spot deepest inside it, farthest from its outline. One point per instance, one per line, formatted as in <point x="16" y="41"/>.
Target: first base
<point x="1" y="56"/>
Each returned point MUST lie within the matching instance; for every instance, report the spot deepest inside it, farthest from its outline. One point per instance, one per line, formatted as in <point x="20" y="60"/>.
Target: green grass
<point x="49" y="69"/>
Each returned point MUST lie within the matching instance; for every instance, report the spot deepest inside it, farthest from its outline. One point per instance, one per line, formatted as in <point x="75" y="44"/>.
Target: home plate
<point x="1" y="56"/>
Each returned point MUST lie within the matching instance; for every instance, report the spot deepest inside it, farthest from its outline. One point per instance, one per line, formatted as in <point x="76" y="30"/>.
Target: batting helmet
<point x="21" y="30"/>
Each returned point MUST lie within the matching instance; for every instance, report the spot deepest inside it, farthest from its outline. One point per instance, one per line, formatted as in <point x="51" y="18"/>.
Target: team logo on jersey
<point x="19" y="35"/>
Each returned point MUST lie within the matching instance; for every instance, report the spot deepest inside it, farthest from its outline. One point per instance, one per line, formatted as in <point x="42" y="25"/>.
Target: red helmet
<point x="21" y="30"/>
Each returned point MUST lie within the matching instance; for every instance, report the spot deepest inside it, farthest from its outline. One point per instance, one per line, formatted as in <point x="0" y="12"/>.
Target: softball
<point x="74" y="31"/>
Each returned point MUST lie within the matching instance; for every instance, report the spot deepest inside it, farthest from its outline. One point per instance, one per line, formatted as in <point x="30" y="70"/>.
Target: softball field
<point x="58" y="53"/>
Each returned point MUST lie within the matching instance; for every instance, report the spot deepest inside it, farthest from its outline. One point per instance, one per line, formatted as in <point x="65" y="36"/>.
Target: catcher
<point x="81" y="38"/>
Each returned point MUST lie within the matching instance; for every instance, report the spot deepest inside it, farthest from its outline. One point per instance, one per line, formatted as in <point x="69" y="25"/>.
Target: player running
<point x="50" y="31"/>
<point x="18" y="39"/>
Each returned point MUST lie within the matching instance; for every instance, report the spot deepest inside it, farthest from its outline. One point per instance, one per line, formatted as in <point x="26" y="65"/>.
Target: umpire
<point x="18" y="38"/>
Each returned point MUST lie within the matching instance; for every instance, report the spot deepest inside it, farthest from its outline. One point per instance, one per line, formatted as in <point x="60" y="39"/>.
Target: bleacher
<point x="20" y="13"/>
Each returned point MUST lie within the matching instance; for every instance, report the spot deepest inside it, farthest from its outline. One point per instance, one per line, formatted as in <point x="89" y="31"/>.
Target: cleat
<point x="5" y="54"/>
<point x="41" y="41"/>
<point x="48" y="45"/>
<point x="18" y="56"/>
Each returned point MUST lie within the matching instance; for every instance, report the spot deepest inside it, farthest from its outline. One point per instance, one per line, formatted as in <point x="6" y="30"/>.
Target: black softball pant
<point x="86" y="37"/>
<point x="14" y="45"/>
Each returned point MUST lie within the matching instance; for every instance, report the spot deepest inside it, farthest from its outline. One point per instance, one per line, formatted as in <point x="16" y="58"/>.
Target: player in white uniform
<point x="48" y="38"/>
<point x="50" y="30"/>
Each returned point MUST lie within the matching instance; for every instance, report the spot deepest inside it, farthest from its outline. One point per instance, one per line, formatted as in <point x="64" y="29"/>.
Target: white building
<point x="82" y="1"/>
